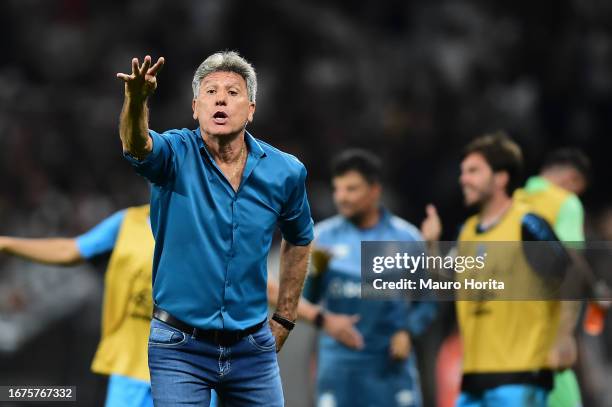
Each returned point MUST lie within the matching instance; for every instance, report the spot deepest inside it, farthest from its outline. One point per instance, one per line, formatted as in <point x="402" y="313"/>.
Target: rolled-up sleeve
<point x="159" y="166"/>
<point x="295" y="222"/>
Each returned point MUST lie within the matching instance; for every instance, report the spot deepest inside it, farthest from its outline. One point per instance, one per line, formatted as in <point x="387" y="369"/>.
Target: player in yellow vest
<point x="553" y="195"/>
<point x="127" y="308"/>
<point x="507" y="344"/>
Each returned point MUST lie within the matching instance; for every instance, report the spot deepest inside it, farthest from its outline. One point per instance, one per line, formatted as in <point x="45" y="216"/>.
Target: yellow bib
<point x="505" y="336"/>
<point x="128" y="303"/>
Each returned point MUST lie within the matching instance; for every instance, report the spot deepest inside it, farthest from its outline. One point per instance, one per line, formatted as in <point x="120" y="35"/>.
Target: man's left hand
<point x="280" y="334"/>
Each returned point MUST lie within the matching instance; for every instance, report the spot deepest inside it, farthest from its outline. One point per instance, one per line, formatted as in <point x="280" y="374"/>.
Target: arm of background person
<point x="569" y="226"/>
<point x="66" y="251"/>
<point x="60" y="251"/>
<point x="563" y="353"/>
<point x="413" y="319"/>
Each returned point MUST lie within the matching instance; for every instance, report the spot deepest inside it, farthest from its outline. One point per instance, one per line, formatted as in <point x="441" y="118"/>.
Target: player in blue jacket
<point x="383" y="371"/>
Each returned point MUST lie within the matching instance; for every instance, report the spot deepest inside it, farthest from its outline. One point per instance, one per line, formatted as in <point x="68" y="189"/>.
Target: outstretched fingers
<point x="135" y="66"/>
<point x="144" y="70"/>
<point x="157" y="67"/>
<point x="145" y="66"/>
<point x="124" y="77"/>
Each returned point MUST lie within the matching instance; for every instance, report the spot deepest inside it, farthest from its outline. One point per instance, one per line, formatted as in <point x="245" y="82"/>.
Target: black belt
<point x="221" y="337"/>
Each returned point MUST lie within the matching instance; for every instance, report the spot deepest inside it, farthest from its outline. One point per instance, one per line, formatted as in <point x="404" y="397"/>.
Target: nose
<point x="221" y="99"/>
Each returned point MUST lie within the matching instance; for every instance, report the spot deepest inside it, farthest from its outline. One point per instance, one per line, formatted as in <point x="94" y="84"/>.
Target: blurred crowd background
<point x="413" y="81"/>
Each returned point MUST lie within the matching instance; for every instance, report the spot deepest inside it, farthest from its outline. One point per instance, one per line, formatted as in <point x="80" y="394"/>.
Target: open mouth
<point x="220" y="117"/>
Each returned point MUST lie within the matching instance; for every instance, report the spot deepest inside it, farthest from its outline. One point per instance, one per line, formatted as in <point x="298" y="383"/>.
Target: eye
<point x="210" y="91"/>
<point x="233" y="93"/>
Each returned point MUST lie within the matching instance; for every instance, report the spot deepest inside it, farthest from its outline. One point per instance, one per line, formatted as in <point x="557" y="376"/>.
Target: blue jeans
<point x="125" y="391"/>
<point x="184" y="370"/>
<point x="367" y="382"/>
<point x="510" y="395"/>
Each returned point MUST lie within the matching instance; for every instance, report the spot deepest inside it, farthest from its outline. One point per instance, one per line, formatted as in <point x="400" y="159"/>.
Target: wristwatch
<point x="319" y="319"/>
<point x="286" y="323"/>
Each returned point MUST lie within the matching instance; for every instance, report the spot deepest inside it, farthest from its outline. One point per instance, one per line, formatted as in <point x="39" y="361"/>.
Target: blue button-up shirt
<point x="212" y="243"/>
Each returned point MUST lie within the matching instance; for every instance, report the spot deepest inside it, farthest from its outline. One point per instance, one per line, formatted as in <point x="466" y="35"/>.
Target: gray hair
<point x="226" y="61"/>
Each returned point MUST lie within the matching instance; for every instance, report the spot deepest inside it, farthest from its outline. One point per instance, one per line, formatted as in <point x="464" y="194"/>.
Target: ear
<point x="501" y="179"/>
<point x="194" y="104"/>
<point x="377" y="189"/>
<point x="251" y="111"/>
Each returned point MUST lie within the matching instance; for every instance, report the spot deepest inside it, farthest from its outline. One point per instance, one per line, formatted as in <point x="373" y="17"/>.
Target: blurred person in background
<point x="553" y="195"/>
<point x="128" y="305"/>
<point x="507" y="345"/>
<point x="218" y="194"/>
<point x="554" y="192"/>
<point x="383" y="372"/>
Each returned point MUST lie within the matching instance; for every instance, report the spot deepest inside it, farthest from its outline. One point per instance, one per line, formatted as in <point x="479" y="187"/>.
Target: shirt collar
<point x="383" y="220"/>
<point x="252" y="145"/>
<point x="385" y="216"/>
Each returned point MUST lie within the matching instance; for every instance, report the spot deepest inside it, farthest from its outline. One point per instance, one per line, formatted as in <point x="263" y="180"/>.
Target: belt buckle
<point x="229" y="338"/>
<point x="222" y="338"/>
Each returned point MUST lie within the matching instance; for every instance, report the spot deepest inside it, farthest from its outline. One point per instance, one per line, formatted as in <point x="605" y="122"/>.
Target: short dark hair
<point x="502" y="154"/>
<point x="569" y="157"/>
<point x="364" y="162"/>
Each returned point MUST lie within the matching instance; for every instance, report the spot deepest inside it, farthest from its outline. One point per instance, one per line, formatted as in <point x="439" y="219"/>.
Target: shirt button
<point x="236" y="226"/>
<point x="222" y="309"/>
<point x="228" y="283"/>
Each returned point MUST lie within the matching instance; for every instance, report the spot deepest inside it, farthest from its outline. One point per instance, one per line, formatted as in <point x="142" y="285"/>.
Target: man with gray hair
<point x="217" y="195"/>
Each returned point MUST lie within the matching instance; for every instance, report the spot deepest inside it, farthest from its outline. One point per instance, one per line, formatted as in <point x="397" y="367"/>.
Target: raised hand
<point x="143" y="81"/>
<point x="431" y="228"/>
